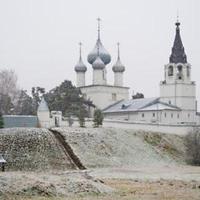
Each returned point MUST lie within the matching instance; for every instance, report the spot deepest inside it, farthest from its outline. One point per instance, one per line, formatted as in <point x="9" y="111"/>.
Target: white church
<point x="177" y="102"/>
<point x="176" y="106"/>
<point x="100" y="92"/>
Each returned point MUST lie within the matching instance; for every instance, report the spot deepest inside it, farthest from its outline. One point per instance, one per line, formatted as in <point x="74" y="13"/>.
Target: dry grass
<point x="137" y="190"/>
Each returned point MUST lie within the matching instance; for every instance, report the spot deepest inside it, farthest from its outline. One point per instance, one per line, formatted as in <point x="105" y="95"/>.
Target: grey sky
<point x="39" y="38"/>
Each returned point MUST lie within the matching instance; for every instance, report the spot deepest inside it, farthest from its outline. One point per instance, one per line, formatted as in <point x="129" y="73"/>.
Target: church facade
<point x="100" y="92"/>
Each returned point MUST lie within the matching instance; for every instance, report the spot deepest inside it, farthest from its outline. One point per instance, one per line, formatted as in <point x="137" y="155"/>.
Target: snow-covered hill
<point x="38" y="149"/>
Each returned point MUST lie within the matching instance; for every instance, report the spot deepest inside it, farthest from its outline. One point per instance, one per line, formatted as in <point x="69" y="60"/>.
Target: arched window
<point x="180" y="72"/>
<point x="170" y="71"/>
<point x="114" y="97"/>
<point x="179" y="67"/>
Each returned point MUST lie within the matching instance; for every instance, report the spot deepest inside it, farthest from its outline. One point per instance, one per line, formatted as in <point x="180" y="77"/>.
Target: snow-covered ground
<point x="119" y="163"/>
<point x="111" y="147"/>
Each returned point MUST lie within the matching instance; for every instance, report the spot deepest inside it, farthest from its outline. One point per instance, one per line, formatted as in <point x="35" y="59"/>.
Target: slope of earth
<point x="20" y="185"/>
<point x="32" y="149"/>
<point x="109" y="147"/>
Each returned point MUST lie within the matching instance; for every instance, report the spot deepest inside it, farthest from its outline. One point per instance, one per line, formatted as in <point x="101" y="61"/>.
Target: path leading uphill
<point x="67" y="149"/>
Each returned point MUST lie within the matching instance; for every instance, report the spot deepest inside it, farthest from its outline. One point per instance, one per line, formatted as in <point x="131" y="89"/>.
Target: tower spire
<point x="178" y="52"/>
<point x="99" y="20"/>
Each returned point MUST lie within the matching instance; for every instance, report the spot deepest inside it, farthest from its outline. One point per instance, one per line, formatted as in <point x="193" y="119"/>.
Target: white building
<point x="174" y="111"/>
<point x="100" y="92"/>
<point x="177" y="102"/>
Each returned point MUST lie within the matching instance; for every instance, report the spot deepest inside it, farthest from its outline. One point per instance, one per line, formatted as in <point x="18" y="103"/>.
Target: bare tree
<point x="192" y="142"/>
<point x="8" y="84"/>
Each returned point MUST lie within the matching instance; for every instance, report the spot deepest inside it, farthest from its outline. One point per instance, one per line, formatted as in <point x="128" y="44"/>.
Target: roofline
<point x="128" y="111"/>
<point x="156" y="100"/>
<point x="96" y="85"/>
<point x="151" y="103"/>
<point x="113" y="104"/>
<point x="170" y="105"/>
<point x="19" y="115"/>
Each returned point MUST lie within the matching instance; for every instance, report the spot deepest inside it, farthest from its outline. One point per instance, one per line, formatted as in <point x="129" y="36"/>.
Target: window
<point x="179" y="74"/>
<point x="188" y="71"/>
<point x="178" y="116"/>
<point x="170" y="71"/>
<point x="142" y="114"/>
<point x="154" y="115"/>
<point x="114" y="96"/>
<point x="165" y="115"/>
<point x="172" y="115"/>
<point x="188" y="115"/>
<point x="179" y="68"/>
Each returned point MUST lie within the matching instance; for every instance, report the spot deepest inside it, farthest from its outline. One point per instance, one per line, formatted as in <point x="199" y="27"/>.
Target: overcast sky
<point x="39" y="39"/>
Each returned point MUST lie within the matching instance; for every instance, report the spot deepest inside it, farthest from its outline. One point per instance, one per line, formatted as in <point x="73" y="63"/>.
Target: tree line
<point x="64" y="97"/>
<point x="13" y="100"/>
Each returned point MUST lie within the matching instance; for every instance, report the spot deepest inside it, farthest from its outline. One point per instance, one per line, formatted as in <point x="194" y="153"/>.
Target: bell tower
<point x="177" y="88"/>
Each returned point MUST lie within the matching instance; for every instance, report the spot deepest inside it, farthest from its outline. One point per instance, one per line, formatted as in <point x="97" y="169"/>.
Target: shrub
<point x="192" y="142"/>
<point x="98" y="118"/>
<point x="1" y="121"/>
<point x="81" y="118"/>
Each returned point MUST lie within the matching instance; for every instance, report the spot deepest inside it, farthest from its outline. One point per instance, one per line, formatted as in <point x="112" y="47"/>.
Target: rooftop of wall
<point x="136" y="105"/>
<point x="109" y="86"/>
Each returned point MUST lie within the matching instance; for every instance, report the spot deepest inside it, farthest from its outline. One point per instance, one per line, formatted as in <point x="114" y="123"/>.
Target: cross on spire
<point x="177" y="17"/>
<point x="80" y="49"/>
<point x="177" y="20"/>
<point x="99" y="20"/>
<point x="118" y="51"/>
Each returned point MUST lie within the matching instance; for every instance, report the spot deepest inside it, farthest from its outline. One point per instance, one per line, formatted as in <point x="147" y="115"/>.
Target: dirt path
<point x="68" y="150"/>
<point x="152" y="173"/>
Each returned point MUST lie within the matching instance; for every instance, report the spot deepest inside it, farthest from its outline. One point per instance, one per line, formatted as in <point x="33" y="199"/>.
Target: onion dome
<point x="104" y="55"/>
<point x="43" y="107"/>
<point x="118" y="66"/>
<point x="178" y="52"/>
<point x="80" y="66"/>
<point x="98" y="63"/>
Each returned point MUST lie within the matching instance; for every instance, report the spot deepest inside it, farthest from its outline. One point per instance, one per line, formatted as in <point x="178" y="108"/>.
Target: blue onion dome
<point x="104" y="55"/>
<point x="118" y="66"/>
<point x="80" y="66"/>
<point x="98" y="63"/>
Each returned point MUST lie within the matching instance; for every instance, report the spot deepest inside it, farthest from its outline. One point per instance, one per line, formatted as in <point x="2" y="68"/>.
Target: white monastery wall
<point x="104" y="96"/>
